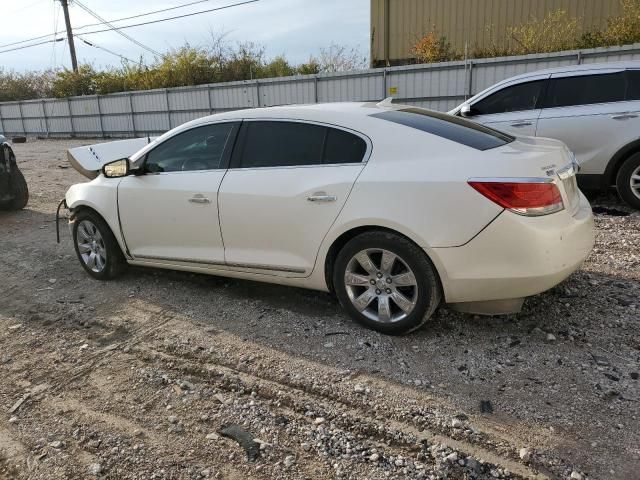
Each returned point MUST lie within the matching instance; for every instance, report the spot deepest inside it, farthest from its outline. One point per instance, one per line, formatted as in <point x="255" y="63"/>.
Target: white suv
<point x="594" y="109"/>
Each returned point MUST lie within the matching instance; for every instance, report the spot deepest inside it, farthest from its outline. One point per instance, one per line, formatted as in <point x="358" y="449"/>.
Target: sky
<point x="294" y="28"/>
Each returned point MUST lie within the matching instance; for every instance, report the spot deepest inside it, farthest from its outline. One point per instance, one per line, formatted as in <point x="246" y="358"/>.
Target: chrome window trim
<point x="512" y="179"/>
<point x="365" y="158"/>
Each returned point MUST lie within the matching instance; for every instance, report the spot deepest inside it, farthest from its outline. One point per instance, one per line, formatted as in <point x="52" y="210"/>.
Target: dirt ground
<point x="137" y="378"/>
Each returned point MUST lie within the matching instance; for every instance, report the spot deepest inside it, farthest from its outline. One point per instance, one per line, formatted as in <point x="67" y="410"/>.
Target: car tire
<point x="628" y="181"/>
<point x="19" y="190"/>
<point x="407" y="275"/>
<point x="96" y="247"/>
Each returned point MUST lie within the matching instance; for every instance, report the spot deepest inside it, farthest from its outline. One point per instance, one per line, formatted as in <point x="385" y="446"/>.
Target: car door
<point x="588" y="111"/>
<point x="287" y="183"/>
<point x="513" y="108"/>
<point x="170" y="212"/>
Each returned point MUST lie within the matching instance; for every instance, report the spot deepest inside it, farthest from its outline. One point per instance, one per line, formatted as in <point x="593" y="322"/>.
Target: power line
<point x="174" y="18"/>
<point x="116" y="20"/>
<point x="32" y="45"/>
<point x="94" y="45"/>
<point x="56" y="19"/>
<point x="116" y="29"/>
<point x="27" y="40"/>
<point x="146" y="14"/>
<point x="122" y="27"/>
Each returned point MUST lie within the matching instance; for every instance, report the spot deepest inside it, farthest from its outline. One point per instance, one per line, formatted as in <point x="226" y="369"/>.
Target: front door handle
<point x="322" y="197"/>
<point x="624" y="116"/>
<point x="199" y="199"/>
<point x="521" y="124"/>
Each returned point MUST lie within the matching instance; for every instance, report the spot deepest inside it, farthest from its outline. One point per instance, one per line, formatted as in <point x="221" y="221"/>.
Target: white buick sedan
<point x="394" y="208"/>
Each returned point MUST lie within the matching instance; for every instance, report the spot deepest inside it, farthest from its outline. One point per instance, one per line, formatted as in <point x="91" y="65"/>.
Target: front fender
<point x="101" y="195"/>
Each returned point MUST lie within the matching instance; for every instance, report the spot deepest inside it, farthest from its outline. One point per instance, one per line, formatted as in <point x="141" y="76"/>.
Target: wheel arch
<point x="342" y="239"/>
<point x="614" y="165"/>
<point x="115" y="230"/>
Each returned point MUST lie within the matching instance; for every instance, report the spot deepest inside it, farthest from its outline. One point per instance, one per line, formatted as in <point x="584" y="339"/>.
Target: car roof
<point x="346" y="114"/>
<point x="315" y="111"/>
<point x="577" y="68"/>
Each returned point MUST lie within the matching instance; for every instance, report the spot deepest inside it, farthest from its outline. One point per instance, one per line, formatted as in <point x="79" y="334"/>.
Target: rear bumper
<point x="516" y="256"/>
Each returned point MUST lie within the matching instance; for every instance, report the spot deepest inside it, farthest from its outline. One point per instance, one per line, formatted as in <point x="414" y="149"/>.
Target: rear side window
<point x="633" y="85"/>
<point x="447" y="126"/>
<point x="517" y="98"/>
<point x="343" y="147"/>
<point x="585" y="90"/>
<point x="288" y="144"/>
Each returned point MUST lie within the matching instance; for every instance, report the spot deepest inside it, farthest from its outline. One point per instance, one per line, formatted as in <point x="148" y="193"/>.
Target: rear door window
<point x="290" y="144"/>
<point x="452" y="128"/>
<point x="516" y="98"/>
<point x="281" y="144"/>
<point x="633" y="85"/>
<point x="585" y="90"/>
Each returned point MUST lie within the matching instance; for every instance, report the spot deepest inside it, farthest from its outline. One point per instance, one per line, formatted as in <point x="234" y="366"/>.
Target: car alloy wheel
<point x="91" y="246"/>
<point x="381" y="285"/>
<point x="634" y="182"/>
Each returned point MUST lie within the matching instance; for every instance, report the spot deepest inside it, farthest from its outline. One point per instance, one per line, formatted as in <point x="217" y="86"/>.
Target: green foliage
<point x="184" y="66"/>
<point x="555" y="32"/>
<point x="433" y="48"/>
<point x="23" y="86"/>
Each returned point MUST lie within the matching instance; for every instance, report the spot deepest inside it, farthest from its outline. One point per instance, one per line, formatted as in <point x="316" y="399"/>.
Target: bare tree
<point x="339" y="58"/>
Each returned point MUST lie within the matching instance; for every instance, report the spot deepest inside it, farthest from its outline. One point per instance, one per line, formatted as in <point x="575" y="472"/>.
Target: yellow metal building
<point x="396" y="25"/>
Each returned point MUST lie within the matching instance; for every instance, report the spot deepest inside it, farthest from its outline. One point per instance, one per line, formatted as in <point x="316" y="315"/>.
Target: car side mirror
<point x="116" y="169"/>
<point x="467" y="111"/>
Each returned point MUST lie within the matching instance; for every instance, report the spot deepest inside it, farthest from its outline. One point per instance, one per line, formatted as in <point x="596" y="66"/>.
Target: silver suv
<point x="594" y="109"/>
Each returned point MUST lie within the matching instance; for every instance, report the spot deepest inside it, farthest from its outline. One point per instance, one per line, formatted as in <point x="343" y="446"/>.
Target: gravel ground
<point x="138" y="378"/>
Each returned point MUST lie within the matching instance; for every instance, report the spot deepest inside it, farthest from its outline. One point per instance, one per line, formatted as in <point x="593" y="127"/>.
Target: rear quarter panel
<point x="415" y="183"/>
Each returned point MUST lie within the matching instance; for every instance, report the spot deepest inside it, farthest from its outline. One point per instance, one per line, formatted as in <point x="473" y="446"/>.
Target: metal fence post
<point x="315" y="88"/>
<point x="384" y="83"/>
<point x="24" y="130"/>
<point x="469" y="92"/>
<point x="73" y="131"/>
<point x="100" y="115"/>
<point x="258" y="92"/>
<point x="166" y="99"/>
<point x="46" y="120"/>
<point x="209" y="99"/>
<point x="580" y="58"/>
<point x="1" y="122"/>
<point x="133" y="117"/>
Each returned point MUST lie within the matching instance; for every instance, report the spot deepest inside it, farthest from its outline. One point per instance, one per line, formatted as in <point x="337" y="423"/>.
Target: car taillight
<point x="531" y="198"/>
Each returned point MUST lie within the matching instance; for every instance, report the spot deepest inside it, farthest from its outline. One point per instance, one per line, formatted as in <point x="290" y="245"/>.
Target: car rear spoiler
<point x="89" y="159"/>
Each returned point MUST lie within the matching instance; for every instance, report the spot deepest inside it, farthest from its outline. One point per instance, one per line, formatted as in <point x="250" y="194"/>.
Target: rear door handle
<point x="322" y="198"/>
<point x="521" y="124"/>
<point x="624" y="116"/>
<point x="199" y="198"/>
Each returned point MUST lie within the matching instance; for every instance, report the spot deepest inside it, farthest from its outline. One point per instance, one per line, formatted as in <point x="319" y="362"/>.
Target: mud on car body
<point x="14" y="193"/>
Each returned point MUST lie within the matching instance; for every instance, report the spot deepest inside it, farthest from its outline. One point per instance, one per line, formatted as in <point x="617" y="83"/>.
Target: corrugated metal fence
<point x="437" y="86"/>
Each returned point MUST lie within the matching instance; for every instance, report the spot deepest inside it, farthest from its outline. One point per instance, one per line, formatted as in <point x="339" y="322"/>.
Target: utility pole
<point x="72" y="47"/>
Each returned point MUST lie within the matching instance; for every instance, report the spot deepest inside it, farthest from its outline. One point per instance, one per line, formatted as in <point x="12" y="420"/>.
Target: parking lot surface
<point x="138" y="377"/>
